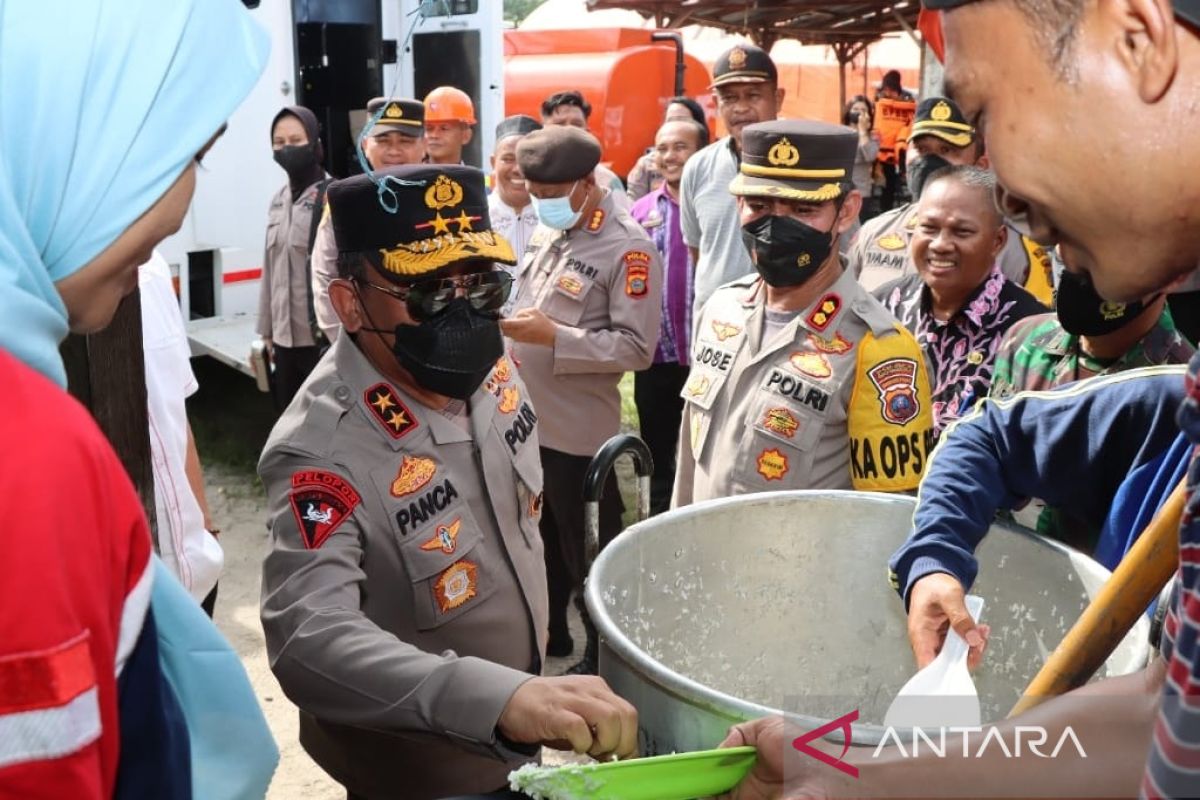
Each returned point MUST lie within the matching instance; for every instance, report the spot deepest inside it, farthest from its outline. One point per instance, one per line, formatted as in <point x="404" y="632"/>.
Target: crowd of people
<point x="447" y="348"/>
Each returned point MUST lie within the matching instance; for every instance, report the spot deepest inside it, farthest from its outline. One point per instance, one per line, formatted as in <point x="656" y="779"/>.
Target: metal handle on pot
<point x="597" y="473"/>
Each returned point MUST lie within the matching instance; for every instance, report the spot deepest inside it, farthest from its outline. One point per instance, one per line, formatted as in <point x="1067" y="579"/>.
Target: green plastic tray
<point x="682" y="776"/>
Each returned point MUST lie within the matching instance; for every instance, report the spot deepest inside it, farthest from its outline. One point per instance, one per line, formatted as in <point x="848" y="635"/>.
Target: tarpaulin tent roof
<point x="767" y="21"/>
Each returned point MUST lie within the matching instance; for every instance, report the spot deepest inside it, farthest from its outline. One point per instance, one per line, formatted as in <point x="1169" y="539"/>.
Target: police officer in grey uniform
<point x="404" y="597"/>
<point x="284" y="322"/>
<point x="397" y="138"/>
<point x="940" y="137"/>
<point x="800" y="379"/>
<point x="587" y="310"/>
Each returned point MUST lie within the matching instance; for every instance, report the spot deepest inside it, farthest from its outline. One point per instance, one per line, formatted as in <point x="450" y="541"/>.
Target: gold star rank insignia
<point x="440" y="224"/>
<point x="389" y="411"/>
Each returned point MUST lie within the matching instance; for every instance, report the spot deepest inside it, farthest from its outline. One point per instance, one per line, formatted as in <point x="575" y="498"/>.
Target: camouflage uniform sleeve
<point x="330" y="659"/>
<point x="1004" y="379"/>
<point x="890" y="414"/>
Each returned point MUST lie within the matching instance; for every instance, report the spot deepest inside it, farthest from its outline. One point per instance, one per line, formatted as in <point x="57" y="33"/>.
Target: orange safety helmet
<point x="448" y="104"/>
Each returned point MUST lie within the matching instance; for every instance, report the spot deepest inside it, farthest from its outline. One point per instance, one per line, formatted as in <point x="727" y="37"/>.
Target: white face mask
<point x="556" y="212"/>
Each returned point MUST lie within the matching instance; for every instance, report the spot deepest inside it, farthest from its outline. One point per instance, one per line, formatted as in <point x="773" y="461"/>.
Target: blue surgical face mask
<point x="556" y="212"/>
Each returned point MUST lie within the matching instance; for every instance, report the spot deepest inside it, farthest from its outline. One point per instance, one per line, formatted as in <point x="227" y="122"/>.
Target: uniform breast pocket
<point x="780" y="441"/>
<point x="568" y="297"/>
<point x="273" y="229"/>
<point x="446" y="567"/>
<point x="299" y="229"/>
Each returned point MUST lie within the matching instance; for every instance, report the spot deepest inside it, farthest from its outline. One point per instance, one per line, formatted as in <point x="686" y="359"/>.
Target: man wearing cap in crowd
<point x="587" y="310"/>
<point x="512" y="213"/>
<point x="404" y="596"/>
<point x="800" y="379"/>
<point x="745" y="86"/>
<point x="941" y="137"/>
<point x="396" y="138"/>
<point x="449" y="115"/>
<point x="571" y="108"/>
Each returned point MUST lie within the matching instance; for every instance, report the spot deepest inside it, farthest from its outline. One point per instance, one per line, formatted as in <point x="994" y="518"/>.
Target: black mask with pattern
<point x="1083" y="312"/>
<point x="920" y="170"/>
<point x="786" y="251"/>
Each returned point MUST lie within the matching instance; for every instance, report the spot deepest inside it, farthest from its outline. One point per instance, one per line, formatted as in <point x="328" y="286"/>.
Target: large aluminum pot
<point x="755" y="605"/>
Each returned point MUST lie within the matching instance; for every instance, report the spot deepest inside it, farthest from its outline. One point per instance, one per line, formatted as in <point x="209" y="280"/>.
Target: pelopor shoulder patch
<point x="321" y="502"/>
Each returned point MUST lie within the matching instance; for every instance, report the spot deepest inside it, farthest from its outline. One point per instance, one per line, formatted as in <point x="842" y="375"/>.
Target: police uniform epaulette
<point x="742" y="283"/>
<point x="878" y="318"/>
<point x="312" y="431"/>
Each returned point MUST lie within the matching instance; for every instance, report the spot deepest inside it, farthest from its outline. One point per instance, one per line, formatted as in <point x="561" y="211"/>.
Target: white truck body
<point x="329" y="55"/>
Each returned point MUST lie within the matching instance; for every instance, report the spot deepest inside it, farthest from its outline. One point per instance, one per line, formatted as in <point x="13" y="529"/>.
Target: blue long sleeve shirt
<point x="1108" y="450"/>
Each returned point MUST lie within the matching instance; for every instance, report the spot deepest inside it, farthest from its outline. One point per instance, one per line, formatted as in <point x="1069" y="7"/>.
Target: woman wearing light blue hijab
<point x="105" y="106"/>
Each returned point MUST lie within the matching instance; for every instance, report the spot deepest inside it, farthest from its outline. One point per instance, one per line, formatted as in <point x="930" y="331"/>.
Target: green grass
<point x="230" y="418"/>
<point x="624" y="468"/>
<point x="629" y="415"/>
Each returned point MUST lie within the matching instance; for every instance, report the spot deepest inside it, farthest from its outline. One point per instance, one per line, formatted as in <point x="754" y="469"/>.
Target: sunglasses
<point x="485" y="291"/>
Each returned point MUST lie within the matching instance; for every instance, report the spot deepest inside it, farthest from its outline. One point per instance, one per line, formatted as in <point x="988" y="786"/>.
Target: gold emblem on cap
<point x="737" y="58"/>
<point x="444" y="192"/>
<point x="941" y="112"/>
<point x="783" y="154"/>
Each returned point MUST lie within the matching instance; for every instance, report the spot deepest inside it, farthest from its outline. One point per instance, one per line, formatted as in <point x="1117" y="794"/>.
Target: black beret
<point x="558" y="154"/>
<point x="517" y="125"/>
<point x="744" y="63"/>
<point x="441" y="218"/>
<point x="796" y="160"/>
<point x="399" y="114"/>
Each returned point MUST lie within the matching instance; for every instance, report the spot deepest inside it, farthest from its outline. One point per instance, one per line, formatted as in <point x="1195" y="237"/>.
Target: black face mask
<point x="452" y="352"/>
<point x="920" y="170"/>
<point x="1082" y="312"/>
<point x="785" y="251"/>
<point x="296" y="159"/>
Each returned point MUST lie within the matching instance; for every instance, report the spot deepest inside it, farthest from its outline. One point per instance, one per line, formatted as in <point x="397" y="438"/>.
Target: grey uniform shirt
<point x="603" y="283"/>
<point x="324" y="270"/>
<point x="404" y="595"/>
<point x="283" y="292"/>
<point x="708" y="217"/>
<point x="837" y="397"/>
<point x="880" y="253"/>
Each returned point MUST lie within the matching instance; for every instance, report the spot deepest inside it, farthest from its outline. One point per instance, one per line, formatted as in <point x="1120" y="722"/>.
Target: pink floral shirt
<point x="961" y="351"/>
